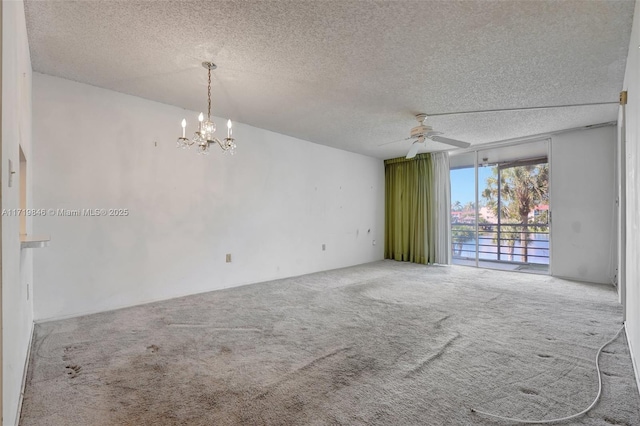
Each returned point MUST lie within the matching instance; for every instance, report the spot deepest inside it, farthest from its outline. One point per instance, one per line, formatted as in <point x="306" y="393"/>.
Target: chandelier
<point x="203" y="138"/>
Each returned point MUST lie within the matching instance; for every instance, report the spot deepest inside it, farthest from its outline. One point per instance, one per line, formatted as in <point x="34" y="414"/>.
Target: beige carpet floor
<point x="385" y="343"/>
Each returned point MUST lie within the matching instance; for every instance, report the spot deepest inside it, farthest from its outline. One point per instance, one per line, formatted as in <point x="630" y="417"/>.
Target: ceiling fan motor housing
<point x="421" y="130"/>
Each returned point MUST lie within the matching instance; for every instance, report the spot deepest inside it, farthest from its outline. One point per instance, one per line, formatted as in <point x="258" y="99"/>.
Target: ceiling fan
<point x="422" y="132"/>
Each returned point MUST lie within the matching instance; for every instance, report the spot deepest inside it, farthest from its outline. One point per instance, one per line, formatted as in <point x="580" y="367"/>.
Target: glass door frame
<point x="476" y="165"/>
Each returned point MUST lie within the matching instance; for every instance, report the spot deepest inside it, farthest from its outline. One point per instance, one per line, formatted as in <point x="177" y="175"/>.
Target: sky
<point x="463" y="184"/>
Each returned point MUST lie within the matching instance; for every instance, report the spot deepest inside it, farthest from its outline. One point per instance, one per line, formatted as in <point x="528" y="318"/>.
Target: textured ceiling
<point x="350" y="73"/>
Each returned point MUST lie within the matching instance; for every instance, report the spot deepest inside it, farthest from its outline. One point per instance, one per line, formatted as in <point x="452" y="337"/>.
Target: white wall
<point x="16" y="264"/>
<point x="271" y="206"/>
<point x="583" y="204"/>
<point x="632" y="85"/>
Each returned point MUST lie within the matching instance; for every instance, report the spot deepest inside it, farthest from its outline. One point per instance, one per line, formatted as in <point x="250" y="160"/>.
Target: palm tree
<point x="521" y="189"/>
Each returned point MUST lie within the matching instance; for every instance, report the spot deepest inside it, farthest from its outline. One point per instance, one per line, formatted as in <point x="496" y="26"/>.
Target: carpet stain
<point x="302" y="392"/>
<point x="613" y="421"/>
<point x="527" y="391"/>
<point x="545" y="356"/>
<point x="303" y="371"/>
<point x="73" y="371"/>
<point x="69" y="350"/>
<point x="153" y="348"/>
<point x="145" y="388"/>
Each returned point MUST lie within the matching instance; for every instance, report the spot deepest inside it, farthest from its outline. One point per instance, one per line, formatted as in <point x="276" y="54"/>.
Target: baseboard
<point x="580" y="280"/>
<point x="633" y="358"/>
<point x="24" y="375"/>
<point x="145" y="302"/>
<point x="188" y="294"/>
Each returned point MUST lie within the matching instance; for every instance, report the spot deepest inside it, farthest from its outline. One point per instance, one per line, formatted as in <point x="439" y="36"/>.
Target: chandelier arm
<point x="215" y="140"/>
<point x="223" y="145"/>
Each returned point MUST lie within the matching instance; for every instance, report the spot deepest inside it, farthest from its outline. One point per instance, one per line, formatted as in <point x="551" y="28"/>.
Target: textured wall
<point x="17" y="311"/>
<point x="583" y="204"/>
<point x="271" y="206"/>
<point x="632" y="85"/>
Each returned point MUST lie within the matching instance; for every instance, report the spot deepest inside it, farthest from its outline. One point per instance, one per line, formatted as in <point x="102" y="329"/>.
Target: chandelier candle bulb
<point x="229" y="128"/>
<point x="184" y="128"/>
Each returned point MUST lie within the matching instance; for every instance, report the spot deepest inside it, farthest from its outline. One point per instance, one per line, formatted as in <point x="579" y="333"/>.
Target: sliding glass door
<point x="504" y="223"/>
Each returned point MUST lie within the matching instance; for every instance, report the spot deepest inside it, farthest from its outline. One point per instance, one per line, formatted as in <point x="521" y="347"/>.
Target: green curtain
<point x="409" y="205"/>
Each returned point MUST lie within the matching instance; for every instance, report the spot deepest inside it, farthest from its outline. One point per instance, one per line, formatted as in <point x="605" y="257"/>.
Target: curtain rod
<point x="521" y="109"/>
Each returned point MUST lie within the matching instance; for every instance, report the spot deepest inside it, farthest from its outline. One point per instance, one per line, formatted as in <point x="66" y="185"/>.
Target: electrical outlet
<point x="228" y="257"/>
<point x="27" y="291"/>
<point x="324" y="247"/>
<point x="373" y="242"/>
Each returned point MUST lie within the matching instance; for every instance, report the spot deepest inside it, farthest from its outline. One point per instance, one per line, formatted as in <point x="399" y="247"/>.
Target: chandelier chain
<point x="209" y="95"/>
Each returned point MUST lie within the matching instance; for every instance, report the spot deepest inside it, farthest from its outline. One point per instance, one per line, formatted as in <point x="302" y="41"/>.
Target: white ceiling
<point x="350" y="73"/>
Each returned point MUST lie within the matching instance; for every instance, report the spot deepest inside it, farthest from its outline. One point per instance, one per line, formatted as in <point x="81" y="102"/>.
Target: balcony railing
<point x="513" y="243"/>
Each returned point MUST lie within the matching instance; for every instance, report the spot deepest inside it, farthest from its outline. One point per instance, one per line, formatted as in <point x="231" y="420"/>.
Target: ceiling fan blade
<point x="453" y="142"/>
<point x="399" y="140"/>
<point x="414" y="149"/>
